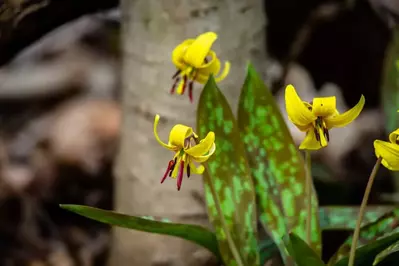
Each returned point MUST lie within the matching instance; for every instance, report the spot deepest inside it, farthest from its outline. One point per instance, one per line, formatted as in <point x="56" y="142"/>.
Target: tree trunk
<point x="151" y="29"/>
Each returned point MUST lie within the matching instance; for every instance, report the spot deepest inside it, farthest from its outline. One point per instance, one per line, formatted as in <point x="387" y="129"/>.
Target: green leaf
<point x="228" y="170"/>
<point x="193" y="233"/>
<point x="390" y="84"/>
<point x="386" y="224"/>
<point x="345" y="217"/>
<point x="366" y="254"/>
<point x="331" y="218"/>
<point x="301" y="252"/>
<point x="394" y="248"/>
<point x="276" y="165"/>
<point x="390" y="89"/>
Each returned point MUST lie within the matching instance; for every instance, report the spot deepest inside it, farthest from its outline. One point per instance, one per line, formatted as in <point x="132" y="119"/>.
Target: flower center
<point x="184" y="78"/>
<point x="321" y="131"/>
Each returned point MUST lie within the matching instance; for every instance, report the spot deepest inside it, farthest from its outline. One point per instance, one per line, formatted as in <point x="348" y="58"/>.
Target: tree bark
<point x="150" y="31"/>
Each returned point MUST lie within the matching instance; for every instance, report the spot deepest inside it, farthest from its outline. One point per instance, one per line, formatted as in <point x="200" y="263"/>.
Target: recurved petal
<point x="205" y="157"/>
<point x="196" y="170"/>
<point x="178" y="135"/>
<point x="168" y="146"/>
<point x="199" y="49"/>
<point x="297" y="112"/>
<point x="393" y="137"/>
<point x="310" y="142"/>
<point x="346" y="118"/>
<point x="203" y="147"/>
<point x="324" y="106"/>
<point x="225" y="72"/>
<point x="389" y="153"/>
<point x="178" y="53"/>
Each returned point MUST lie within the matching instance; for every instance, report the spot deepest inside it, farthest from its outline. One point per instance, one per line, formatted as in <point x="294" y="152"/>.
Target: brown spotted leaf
<point x="229" y="173"/>
<point x="276" y="165"/>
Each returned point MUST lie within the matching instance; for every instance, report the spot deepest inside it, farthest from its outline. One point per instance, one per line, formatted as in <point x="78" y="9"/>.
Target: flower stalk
<point x="362" y="211"/>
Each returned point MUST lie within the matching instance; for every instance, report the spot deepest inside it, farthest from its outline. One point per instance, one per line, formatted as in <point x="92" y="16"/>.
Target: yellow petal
<point x="393" y="137"/>
<point x="297" y="111"/>
<point x="178" y="54"/>
<point x="168" y="146"/>
<point x="324" y="106"/>
<point x="199" y="49"/>
<point x="310" y="142"/>
<point x="179" y="134"/>
<point x="347" y="117"/>
<point x="389" y="153"/>
<point x="203" y="147"/>
<point x="205" y="157"/>
<point x="196" y="170"/>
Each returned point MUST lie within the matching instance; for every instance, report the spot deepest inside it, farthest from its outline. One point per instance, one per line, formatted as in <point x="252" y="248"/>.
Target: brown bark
<point x="151" y="29"/>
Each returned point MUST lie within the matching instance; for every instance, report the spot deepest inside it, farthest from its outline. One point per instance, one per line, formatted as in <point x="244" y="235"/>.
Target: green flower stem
<point x="229" y="239"/>
<point x="362" y="211"/>
<point x="308" y="192"/>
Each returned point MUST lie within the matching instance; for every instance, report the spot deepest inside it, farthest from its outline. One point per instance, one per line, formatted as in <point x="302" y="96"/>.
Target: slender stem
<point x="362" y="211"/>
<point x="309" y="197"/>
<point x="229" y="239"/>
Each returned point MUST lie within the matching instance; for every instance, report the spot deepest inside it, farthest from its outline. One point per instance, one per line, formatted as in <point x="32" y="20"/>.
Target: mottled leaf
<point x="394" y="248"/>
<point x="345" y="217"/>
<point x="332" y="218"/>
<point x="229" y="173"/>
<point x="303" y="254"/>
<point x="366" y="254"/>
<point x="386" y="224"/>
<point x="276" y="165"/>
<point x="194" y="233"/>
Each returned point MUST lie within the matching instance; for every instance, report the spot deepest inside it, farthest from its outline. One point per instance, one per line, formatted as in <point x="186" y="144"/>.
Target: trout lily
<point x="318" y="117"/>
<point x="188" y="149"/>
<point x="195" y="61"/>
<point x="389" y="151"/>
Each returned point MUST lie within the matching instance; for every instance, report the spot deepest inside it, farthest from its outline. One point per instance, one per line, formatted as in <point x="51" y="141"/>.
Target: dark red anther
<point x="188" y="170"/>
<point x="180" y="176"/>
<point x="190" y="90"/>
<point x="171" y="165"/>
<point x="184" y="84"/>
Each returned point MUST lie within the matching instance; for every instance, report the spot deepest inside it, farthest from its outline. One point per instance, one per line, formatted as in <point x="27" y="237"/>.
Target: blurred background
<point x="65" y="65"/>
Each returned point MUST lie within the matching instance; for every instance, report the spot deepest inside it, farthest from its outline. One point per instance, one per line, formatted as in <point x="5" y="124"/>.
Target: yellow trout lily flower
<point x="188" y="149"/>
<point x="195" y="61"/>
<point x="389" y="151"/>
<point x="317" y="117"/>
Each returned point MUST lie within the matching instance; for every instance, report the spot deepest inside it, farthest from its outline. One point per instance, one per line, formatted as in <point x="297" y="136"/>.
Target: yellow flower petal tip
<point x="317" y="117"/>
<point x="188" y="149"/>
<point x="196" y="61"/>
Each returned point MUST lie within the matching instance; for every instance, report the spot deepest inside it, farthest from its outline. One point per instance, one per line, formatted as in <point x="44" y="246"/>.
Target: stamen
<point x="180" y="176"/>
<point x="173" y="167"/>
<point x="188" y="170"/>
<point x="176" y="74"/>
<point x="170" y="165"/>
<point x="172" y="90"/>
<point x="184" y="84"/>
<point x="327" y="134"/>
<point x="190" y="90"/>
<point x="317" y="134"/>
